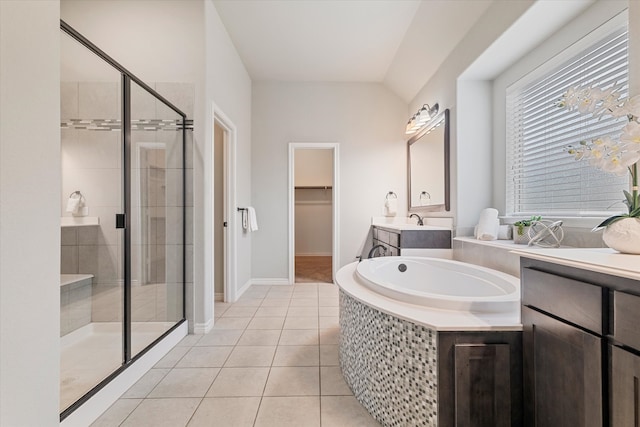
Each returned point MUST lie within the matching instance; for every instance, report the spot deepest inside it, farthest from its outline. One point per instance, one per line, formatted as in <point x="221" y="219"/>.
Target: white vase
<point x="521" y="239"/>
<point x="623" y="235"/>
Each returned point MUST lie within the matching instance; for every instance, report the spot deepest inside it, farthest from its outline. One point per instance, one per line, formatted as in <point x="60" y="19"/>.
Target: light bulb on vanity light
<point x="424" y="114"/>
<point x="421" y="118"/>
<point x="411" y="126"/>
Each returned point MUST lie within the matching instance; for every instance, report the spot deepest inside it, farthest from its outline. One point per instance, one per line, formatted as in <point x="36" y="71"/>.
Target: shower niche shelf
<point x="79" y="221"/>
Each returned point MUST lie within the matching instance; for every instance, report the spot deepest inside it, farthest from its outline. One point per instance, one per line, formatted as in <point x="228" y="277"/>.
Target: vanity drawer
<point x="575" y="301"/>
<point x="432" y="239"/>
<point x="626" y="319"/>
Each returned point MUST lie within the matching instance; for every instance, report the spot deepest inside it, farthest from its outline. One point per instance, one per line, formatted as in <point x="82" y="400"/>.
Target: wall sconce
<point x="421" y="118"/>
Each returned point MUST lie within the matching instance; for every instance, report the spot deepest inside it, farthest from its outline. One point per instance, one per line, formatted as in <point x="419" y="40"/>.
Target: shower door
<point x="123" y="149"/>
<point x="92" y="250"/>
<point x="156" y="210"/>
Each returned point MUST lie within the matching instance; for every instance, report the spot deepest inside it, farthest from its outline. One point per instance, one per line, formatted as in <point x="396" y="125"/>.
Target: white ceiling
<point x="400" y="43"/>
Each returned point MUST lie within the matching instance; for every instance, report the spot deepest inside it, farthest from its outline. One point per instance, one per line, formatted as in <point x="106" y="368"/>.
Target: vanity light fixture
<point x="421" y="118"/>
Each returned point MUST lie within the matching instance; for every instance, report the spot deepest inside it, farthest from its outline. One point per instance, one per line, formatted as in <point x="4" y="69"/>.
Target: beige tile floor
<point x="271" y="360"/>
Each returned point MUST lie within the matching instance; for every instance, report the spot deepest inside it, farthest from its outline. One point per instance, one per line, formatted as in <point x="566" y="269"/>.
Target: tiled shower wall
<point x="92" y="164"/>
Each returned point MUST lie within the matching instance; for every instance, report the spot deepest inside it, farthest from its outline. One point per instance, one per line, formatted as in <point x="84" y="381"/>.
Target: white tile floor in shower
<point x="91" y="353"/>
<point x="271" y="360"/>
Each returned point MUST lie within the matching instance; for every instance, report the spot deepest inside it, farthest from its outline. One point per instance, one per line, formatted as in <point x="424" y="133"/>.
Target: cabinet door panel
<point x="563" y="373"/>
<point x="625" y="388"/>
<point x="626" y="319"/>
<point x="483" y="385"/>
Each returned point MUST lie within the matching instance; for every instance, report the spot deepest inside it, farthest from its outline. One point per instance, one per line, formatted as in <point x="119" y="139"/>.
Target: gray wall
<point x="29" y="213"/>
<point x="366" y="119"/>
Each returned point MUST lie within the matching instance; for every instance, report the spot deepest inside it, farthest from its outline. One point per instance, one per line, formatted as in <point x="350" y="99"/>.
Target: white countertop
<point x="601" y="260"/>
<point x="406" y="223"/>
<point x="432" y="318"/>
<point x="79" y="221"/>
<point x="405" y="227"/>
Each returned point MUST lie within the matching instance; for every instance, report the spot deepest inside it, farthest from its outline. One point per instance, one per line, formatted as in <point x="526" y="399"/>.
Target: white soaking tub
<point x="441" y="284"/>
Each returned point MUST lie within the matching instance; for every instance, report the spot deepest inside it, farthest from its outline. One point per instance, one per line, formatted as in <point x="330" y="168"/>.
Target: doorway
<point x="313" y="212"/>
<point x="220" y="245"/>
<point x="219" y="231"/>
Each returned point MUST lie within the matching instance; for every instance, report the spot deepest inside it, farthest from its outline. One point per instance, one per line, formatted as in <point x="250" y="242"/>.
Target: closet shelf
<point x="313" y="187"/>
<point x="79" y="221"/>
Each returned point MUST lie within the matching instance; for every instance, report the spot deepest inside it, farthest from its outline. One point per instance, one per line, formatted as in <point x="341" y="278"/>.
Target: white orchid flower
<point x="631" y="133"/>
<point x="580" y="152"/>
<point x="615" y="166"/>
<point x="629" y="158"/>
<point x="619" y="165"/>
<point x="586" y="103"/>
<point x="569" y="99"/>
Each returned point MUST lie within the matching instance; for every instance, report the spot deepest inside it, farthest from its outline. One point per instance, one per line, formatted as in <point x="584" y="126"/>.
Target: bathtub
<point x="441" y="283"/>
<point x="410" y="326"/>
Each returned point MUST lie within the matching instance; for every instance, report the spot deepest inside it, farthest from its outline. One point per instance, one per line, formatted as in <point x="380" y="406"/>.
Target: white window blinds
<point x="541" y="177"/>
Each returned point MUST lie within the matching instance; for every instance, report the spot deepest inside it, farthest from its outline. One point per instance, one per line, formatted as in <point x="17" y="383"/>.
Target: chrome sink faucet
<point x="417" y="216"/>
<point x="373" y="250"/>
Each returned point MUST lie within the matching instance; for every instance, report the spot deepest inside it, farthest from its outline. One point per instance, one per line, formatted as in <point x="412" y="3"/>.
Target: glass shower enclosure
<point x="123" y="218"/>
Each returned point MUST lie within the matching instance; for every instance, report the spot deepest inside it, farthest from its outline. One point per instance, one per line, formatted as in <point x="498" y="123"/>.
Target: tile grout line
<point x="320" y="365"/>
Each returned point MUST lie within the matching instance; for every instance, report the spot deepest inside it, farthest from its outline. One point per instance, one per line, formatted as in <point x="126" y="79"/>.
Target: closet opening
<point x="313" y="212"/>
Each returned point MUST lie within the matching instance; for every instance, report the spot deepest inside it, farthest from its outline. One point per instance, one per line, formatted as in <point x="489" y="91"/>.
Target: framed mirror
<point x="428" y="166"/>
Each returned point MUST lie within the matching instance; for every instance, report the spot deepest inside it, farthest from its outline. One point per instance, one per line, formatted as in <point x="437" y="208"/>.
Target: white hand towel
<point x="73" y="203"/>
<point x="253" y="221"/>
<point x="504" y="232"/>
<point x="245" y="219"/>
<point x="391" y="207"/>
<point x="489" y="225"/>
<point x="488" y="229"/>
<point x="488" y="213"/>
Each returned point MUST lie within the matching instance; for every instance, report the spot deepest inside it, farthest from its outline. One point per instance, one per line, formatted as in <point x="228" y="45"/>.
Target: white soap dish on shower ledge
<point x="79" y="221"/>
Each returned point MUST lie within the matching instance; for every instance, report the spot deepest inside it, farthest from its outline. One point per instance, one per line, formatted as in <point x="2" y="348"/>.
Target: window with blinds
<point x="542" y="178"/>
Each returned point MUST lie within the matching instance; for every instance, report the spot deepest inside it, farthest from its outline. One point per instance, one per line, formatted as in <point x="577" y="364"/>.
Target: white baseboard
<point x="103" y="399"/>
<point x="202" y="328"/>
<point x="243" y="289"/>
<point x="270" y="282"/>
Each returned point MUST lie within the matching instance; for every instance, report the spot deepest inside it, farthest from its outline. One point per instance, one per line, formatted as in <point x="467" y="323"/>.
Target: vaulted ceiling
<point x="400" y="43"/>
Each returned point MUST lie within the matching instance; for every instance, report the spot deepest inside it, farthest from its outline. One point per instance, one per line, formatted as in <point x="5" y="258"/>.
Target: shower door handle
<point x="121" y="220"/>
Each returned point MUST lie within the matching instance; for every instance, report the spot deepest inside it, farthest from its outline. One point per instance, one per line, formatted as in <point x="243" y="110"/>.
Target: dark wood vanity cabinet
<point x="625" y="387"/>
<point x="562" y="365"/>
<point x="581" y="347"/>
<point x="394" y="241"/>
<point x="479" y="379"/>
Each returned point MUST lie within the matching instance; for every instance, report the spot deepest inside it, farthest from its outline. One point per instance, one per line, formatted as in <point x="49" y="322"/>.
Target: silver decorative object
<point x="546" y="234"/>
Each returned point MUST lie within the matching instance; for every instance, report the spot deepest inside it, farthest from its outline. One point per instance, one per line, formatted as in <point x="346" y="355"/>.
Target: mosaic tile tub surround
<point x="390" y="364"/>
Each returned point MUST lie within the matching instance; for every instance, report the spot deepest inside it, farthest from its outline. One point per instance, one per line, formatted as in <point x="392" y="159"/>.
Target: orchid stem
<point x="634" y="186"/>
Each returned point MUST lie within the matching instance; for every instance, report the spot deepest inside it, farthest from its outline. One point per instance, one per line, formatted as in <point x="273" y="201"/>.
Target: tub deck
<point x="432" y="318"/>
